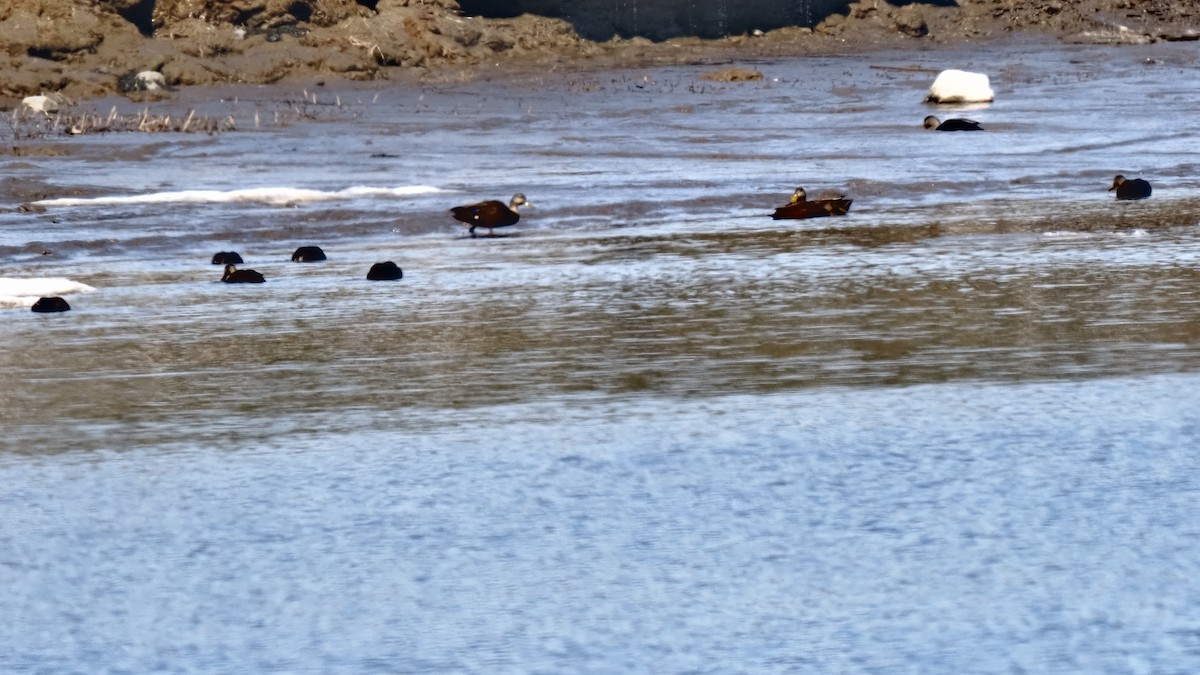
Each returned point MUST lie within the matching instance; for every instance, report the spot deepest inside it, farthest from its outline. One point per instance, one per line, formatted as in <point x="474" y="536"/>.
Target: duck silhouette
<point x="235" y="276"/>
<point x="308" y="254"/>
<point x="952" y="124"/>
<point x="47" y="305"/>
<point x="800" y="207"/>
<point x="227" y="258"/>
<point x="1130" y="188"/>
<point x="490" y="214"/>
<point x="385" y="271"/>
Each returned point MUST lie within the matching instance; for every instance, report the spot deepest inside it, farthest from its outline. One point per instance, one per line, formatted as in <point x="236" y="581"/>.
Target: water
<point x="651" y="429"/>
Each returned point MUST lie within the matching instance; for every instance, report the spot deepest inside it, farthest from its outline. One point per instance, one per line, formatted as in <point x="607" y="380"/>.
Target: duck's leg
<point x="472" y="231"/>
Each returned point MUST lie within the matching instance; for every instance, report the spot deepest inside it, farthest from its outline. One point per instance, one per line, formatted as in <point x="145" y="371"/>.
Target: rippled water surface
<point x="648" y="429"/>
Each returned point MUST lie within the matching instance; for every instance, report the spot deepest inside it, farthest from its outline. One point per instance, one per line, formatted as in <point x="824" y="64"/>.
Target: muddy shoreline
<point x="79" y="50"/>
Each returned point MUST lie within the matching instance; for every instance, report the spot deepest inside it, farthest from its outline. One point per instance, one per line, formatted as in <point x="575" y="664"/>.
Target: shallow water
<point x="649" y="427"/>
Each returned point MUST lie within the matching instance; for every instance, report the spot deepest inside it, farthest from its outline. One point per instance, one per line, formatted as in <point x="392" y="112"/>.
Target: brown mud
<point x="85" y="49"/>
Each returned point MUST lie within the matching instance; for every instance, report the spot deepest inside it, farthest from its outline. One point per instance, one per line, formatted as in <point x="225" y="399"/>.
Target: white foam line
<point x="266" y="195"/>
<point x="39" y="286"/>
<point x="22" y="293"/>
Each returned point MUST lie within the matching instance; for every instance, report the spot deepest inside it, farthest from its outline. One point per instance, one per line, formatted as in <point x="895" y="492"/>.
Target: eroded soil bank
<point x="85" y="48"/>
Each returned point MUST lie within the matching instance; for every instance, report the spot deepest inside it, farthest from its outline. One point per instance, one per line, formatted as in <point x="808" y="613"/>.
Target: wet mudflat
<point x="650" y="424"/>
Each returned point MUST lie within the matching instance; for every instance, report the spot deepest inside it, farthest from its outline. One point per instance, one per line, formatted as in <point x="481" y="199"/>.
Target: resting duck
<point x="800" y="207"/>
<point x="235" y="276"/>
<point x="385" y="271"/>
<point x="308" y="254"/>
<point x="1130" y="188"/>
<point x="952" y="124"/>
<point x="490" y="214"/>
<point x="227" y="258"/>
<point x="47" y="305"/>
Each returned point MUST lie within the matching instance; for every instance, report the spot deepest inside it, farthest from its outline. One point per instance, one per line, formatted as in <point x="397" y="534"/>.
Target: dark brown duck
<point x="1130" y="188"/>
<point x="227" y="258"/>
<point x="308" y="254"/>
<point x="235" y="276"/>
<point x="385" y="271"/>
<point x="51" y="304"/>
<point x="800" y="207"/>
<point x="490" y="214"/>
<point x="952" y="124"/>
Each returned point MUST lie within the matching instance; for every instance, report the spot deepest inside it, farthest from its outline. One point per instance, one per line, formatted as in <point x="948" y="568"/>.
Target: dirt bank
<point x="87" y="48"/>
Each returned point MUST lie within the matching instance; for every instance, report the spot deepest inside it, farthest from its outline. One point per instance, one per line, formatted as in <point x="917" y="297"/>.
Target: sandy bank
<point x="83" y="49"/>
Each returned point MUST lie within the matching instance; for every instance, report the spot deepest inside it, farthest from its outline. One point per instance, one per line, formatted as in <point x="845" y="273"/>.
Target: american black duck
<point x="308" y="254"/>
<point x="1130" y="188"/>
<point x="47" y="305"/>
<point x="952" y="124"/>
<point x="490" y="214"/>
<point x="800" y="207"/>
<point x="227" y="258"/>
<point x="385" y="271"/>
<point x="235" y="276"/>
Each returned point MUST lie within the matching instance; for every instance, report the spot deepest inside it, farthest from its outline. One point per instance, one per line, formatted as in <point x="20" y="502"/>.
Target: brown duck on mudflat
<point x="235" y="276"/>
<point x="490" y="214"/>
<point x="800" y="207"/>
<point x="1130" y="188"/>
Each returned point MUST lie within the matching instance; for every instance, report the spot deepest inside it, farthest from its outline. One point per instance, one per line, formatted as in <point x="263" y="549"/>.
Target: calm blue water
<point x="651" y="430"/>
<point x="1043" y="527"/>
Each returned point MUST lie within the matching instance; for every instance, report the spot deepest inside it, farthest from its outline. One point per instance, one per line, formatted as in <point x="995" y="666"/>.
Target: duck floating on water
<point x="800" y="207"/>
<point x="952" y="124"/>
<point x="235" y="276"/>
<point x="490" y="214"/>
<point x="1130" y="188"/>
<point x="48" y="305"/>
<point x="227" y="258"/>
<point x="308" y="254"/>
<point x="385" y="271"/>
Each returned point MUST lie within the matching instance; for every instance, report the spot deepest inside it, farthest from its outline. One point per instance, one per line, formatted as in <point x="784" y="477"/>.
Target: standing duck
<point x="490" y="214"/>
<point x="952" y="124"/>
<point x="1130" y="188"/>
<point x="800" y="207"/>
<point x="235" y="276"/>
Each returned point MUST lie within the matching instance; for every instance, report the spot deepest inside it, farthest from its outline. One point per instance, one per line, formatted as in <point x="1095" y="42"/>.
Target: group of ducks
<point x="800" y="207"/>
<point x="381" y="271"/>
<point x="488" y="214"/>
<point x="491" y="214"/>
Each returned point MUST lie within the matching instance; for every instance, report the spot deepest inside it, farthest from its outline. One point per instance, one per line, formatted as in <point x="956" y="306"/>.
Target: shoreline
<point x="90" y="52"/>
